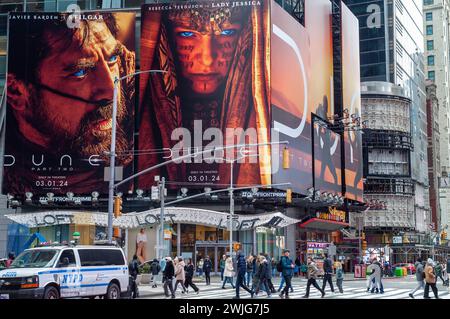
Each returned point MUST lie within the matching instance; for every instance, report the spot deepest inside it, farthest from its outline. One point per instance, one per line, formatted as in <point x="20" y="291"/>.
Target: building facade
<point x="436" y="26"/>
<point x="392" y="50"/>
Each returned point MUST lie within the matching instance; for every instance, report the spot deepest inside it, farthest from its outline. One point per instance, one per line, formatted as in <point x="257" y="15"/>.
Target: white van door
<point x="70" y="278"/>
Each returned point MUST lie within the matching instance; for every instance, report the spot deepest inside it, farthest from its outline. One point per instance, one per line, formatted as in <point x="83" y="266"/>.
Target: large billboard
<point x="290" y="87"/>
<point x="61" y="69"/>
<point x="301" y="85"/>
<point x="213" y="92"/>
<point x="352" y="102"/>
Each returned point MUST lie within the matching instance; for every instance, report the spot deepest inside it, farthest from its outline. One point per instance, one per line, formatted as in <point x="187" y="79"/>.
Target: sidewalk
<point x="146" y="290"/>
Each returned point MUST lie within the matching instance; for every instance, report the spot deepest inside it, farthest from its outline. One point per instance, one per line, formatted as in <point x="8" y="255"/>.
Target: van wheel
<point x="51" y="293"/>
<point x="113" y="291"/>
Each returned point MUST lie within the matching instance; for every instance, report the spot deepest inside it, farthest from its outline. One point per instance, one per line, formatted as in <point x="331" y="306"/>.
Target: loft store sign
<point x="53" y="219"/>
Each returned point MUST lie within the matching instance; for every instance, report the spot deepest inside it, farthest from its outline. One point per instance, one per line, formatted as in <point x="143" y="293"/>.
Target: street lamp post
<point x="112" y="153"/>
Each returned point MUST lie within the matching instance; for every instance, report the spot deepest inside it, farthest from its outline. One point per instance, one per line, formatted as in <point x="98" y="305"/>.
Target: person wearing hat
<point x="168" y="274"/>
<point x="287" y="266"/>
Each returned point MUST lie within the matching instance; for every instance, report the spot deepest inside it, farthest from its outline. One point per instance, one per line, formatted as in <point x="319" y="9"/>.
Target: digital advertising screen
<point x="60" y="97"/>
<point x="213" y="92"/>
<point x="352" y="102"/>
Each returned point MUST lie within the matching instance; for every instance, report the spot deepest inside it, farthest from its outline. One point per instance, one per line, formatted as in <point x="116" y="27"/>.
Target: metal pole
<point x="162" y="185"/>
<point x="112" y="163"/>
<point x="360" y="240"/>
<point x="231" y="209"/>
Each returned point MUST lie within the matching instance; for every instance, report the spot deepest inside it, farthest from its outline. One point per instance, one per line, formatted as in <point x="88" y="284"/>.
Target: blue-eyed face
<point x="205" y="58"/>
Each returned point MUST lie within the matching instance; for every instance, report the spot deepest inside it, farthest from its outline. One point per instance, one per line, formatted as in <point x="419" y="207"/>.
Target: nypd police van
<point x="54" y="272"/>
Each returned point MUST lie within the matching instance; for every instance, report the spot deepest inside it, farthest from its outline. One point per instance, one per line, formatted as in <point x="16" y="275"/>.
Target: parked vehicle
<point x="3" y="263"/>
<point x="54" y="272"/>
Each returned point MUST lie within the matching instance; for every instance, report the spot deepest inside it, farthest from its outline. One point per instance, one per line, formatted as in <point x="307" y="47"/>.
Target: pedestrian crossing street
<point x="299" y="291"/>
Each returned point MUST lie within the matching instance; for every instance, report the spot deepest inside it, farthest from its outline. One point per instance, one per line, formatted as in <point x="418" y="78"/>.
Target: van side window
<point x="67" y="259"/>
<point x="100" y="257"/>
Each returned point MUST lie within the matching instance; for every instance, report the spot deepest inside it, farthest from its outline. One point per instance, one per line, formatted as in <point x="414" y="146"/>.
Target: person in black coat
<point x="263" y="275"/>
<point x="269" y="279"/>
<point x="328" y="272"/>
<point x="241" y="266"/>
<point x="207" y="267"/>
<point x="168" y="273"/>
<point x="189" y="273"/>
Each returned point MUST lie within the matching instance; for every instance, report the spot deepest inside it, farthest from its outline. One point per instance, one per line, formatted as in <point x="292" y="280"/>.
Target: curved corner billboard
<point x="352" y="102"/>
<point x="213" y="92"/>
<point x="59" y="100"/>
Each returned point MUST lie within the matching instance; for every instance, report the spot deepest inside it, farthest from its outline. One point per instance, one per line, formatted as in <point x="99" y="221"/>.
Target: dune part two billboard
<point x="59" y="100"/>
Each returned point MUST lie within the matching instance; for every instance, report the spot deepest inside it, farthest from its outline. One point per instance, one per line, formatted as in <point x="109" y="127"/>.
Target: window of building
<point x="430" y="45"/>
<point x="428" y="2"/>
<point x="429" y="16"/>
<point x="432" y="75"/>
<point x="429" y="30"/>
<point x="431" y="60"/>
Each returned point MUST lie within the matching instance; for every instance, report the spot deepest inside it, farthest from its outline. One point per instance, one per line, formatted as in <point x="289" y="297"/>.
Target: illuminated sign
<point x="332" y="214"/>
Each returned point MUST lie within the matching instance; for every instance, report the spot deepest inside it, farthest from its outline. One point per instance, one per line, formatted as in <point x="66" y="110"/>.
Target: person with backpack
<point x="438" y="271"/>
<point x="155" y="268"/>
<point x="286" y="267"/>
<point x="133" y="269"/>
<point x="189" y="275"/>
<point x="328" y="272"/>
<point x="430" y="280"/>
<point x="207" y="267"/>
<point x="420" y="276"/>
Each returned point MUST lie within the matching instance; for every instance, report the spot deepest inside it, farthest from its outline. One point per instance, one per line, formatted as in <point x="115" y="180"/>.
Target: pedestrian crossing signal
<point x="364" y="245"/>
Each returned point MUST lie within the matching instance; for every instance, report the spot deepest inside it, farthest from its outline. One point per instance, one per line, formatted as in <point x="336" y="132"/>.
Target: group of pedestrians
<point x="177" y="272"/>
<point x="427" y="274"/>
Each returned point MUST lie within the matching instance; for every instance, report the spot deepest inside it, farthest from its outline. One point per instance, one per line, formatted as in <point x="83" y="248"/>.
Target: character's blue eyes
<point x="228" y="32"/>
<point x="186" y="34"/>
<point x="113" y="59"/>
<point x="80" y="73"/>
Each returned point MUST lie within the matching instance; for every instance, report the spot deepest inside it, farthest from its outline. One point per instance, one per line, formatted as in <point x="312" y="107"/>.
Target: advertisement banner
<point x="59" y="100"/>
<point x="301" y="84"/>
<point x="213" y="92"/>
<point x="327" y="159"/>
<point x="290" y="81"/>
<point x="352" y="102"/>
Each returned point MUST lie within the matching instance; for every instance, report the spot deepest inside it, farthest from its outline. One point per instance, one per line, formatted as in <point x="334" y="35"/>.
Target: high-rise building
<point x="392" y="50"/>
<point x="436" y="25"/>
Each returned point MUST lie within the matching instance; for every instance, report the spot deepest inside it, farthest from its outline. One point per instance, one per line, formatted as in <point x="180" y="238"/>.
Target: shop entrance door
<point x="214" y="251"/>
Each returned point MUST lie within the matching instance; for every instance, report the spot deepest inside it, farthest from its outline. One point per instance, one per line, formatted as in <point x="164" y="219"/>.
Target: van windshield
<point x="39" y="258"/>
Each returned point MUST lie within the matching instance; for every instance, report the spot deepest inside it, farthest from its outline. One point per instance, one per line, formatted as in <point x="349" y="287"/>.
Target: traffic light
<point x="117" y="213"/>
<point x="288" y="195"/>
<point x="444" y="235"/>
<point x="286" y="159"/>
<point x="364" y="245"/>
<point x="236" y="246"/>
<point x="363" y="236"/>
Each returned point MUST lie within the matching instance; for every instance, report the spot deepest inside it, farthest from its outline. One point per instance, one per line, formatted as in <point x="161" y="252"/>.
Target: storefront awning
<point x="323" y="224"/>
<point x="152" y="217"/>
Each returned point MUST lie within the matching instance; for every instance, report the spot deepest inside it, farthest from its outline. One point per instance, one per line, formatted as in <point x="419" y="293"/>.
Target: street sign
<point x="118" y="173"/>
<point x="155" y="193"/>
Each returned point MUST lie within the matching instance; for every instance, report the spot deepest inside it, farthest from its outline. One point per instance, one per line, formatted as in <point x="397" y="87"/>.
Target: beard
<point x="86" y="142"/>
